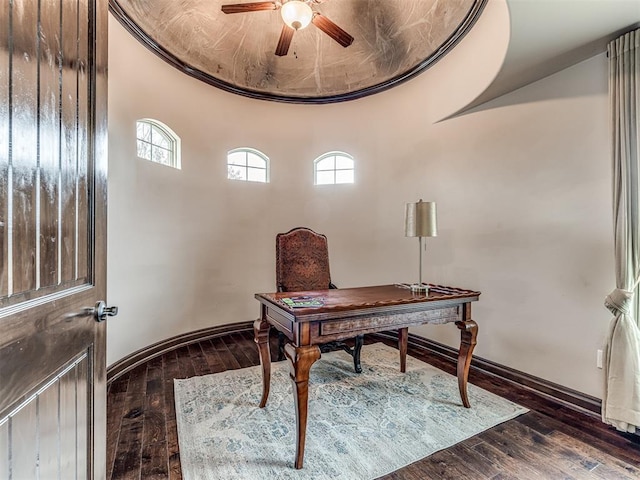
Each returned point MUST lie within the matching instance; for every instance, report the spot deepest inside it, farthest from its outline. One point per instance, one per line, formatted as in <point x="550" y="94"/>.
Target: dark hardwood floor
<point x="549" y="442"/>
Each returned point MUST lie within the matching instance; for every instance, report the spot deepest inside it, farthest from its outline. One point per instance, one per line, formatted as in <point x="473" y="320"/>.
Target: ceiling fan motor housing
<point x="296" y="14"/>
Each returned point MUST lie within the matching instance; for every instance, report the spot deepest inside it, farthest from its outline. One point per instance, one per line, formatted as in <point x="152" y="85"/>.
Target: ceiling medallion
<point x="389" y="42"/>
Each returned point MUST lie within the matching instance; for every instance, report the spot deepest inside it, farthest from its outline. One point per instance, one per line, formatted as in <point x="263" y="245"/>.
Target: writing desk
<point x="348" y="312"/>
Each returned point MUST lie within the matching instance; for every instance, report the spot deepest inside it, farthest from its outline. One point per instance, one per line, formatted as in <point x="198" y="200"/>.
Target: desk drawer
<point x="385" y="322"/>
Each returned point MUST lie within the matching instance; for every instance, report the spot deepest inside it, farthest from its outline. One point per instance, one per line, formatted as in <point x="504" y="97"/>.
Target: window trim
<point x="257" y="153"/>
<point x="174" y="142"/>
<point x="335" y="153"/>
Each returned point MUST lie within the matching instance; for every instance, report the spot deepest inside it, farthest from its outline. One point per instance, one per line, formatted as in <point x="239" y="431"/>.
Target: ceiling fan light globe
<point x="296" y="14"/>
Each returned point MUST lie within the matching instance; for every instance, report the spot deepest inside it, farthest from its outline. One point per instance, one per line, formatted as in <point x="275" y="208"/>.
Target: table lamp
<point x="420" y="221"/>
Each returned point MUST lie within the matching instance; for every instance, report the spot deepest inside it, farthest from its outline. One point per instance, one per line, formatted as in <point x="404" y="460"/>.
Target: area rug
<point x="360" y="426"/>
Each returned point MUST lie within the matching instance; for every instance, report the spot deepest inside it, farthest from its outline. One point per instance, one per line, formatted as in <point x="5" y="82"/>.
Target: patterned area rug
<point x="360" y="426"/>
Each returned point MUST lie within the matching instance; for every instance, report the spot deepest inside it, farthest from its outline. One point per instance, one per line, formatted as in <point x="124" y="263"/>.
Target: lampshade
<point x="296" y="14"/>
<point x="420" y="220"/>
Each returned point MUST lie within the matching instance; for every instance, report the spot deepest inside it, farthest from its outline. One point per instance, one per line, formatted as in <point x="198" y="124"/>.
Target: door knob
<point x="101" y="311"/>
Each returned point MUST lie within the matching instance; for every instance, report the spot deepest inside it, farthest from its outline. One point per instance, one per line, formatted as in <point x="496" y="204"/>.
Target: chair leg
<point x="281" y="342"/>
<point x="356" y="353"/>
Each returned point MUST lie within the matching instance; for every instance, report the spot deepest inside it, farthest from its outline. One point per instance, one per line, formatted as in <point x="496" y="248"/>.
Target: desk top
<point x="363" y="298"/>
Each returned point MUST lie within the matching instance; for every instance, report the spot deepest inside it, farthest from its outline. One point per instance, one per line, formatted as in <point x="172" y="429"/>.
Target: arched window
<point x="247" y="164"/>
<point x="157" y="143"/>
<point x="333" y="167"/>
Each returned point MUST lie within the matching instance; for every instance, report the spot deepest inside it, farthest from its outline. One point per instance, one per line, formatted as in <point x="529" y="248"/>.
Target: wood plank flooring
<point x="549" y="442"/>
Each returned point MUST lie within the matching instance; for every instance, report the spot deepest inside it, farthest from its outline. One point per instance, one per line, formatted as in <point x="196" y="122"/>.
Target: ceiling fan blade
<point x="249" y="7"/>
<point x="331" y="29"/>
<point x="285" y="40"/>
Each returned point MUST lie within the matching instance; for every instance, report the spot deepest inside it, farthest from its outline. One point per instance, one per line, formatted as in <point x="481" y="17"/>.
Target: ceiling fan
<point x="296" y="14"/>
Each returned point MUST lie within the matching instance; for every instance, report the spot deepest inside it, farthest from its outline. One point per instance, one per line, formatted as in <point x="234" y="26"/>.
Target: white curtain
<point x="621" y="399"/>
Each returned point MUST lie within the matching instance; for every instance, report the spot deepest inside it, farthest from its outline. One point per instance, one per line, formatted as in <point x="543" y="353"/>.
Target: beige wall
<point x="522" y="189"/>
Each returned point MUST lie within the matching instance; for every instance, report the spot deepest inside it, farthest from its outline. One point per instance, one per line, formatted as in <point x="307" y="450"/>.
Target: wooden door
<point x="52" y="238"/>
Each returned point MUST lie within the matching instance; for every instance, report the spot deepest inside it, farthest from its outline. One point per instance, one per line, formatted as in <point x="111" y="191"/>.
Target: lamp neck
<point x="420" y="262"/>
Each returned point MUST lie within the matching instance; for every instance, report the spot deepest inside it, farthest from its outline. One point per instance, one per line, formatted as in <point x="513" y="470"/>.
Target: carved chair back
<point x="302" y="261"/>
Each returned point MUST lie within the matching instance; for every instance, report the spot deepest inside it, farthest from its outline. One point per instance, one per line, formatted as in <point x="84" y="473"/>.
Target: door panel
<point x="4" y="150"/>
<point x="48" y="408"/>
<point x="47" y="173"/>
<point x="52" y="238"/>
<point x="23" y="437"/>
<point x="49" y="422"/>
<point x="49" y="138"/>
<point x="23" y="70"/>
<point x="82" y="172"/>
<point x="4" y="450"/>
<point x="70" y="143"/>
<point x="46" y="432"/>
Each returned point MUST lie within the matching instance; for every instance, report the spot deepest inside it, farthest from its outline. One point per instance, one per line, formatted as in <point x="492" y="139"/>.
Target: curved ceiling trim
<point x="188" y="68"/>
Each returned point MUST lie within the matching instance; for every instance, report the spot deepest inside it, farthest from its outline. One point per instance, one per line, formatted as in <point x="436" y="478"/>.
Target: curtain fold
<point x="621" y="398"/>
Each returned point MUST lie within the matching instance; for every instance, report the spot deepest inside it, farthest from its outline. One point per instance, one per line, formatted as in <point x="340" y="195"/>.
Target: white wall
<point x="522" y="190"/>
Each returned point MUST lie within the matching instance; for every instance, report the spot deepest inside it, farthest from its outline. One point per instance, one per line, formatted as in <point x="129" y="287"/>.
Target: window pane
<point x="344" y="176"/>
<point x="328" y="163"/>
<point x="254" y="160"/>
<point x="344" y="162"/>
<point x="144" y="150"/>
<point x="257" y="175"/>
<point x="325" y="178"/>
<point x="237" y="158"/>
<point x="160" y="139"/>
<point x="143" y="131"/>
<point x="236" y="173"/>
<point x="160" y="155"/>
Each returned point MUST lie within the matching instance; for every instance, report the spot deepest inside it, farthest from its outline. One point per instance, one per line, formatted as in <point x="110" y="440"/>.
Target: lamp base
<point x="420" y="288"/>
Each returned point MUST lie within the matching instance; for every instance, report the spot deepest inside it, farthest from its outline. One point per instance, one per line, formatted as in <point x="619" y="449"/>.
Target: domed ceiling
<point x="393" y="40"/>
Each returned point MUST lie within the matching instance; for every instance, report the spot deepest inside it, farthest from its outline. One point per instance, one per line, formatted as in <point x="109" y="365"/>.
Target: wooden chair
<point x="302" y="264"/>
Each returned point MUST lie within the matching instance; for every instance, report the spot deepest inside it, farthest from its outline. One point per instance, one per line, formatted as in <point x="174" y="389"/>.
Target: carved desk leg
<point x="403" y="334"/>
<point x="261" y="333"/>
<point x="468" y="334"/>
<point x="300" y="361"/>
